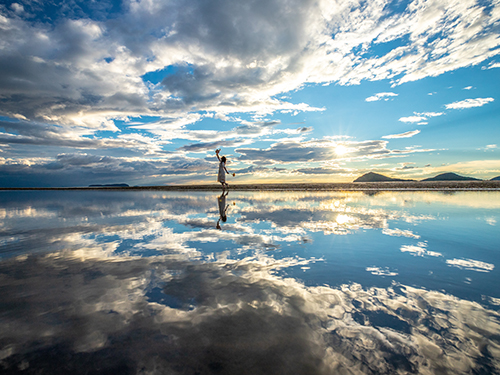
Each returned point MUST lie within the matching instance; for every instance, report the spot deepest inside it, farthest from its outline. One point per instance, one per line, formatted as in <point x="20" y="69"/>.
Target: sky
<point x="143" y="91"/>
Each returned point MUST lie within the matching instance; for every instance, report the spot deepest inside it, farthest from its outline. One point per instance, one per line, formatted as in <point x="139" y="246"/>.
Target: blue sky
<point x="144" y="91"/>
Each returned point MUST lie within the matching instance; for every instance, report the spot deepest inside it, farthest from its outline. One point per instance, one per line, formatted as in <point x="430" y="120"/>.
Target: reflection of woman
<point x="222" y="208"/>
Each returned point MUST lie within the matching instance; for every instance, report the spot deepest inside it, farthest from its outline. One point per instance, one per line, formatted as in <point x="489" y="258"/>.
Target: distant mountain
<point x="376" y="177"/>
<point x="495" y="178"/>
<point x="451" y="177"/>
<point x="109" y="185"/>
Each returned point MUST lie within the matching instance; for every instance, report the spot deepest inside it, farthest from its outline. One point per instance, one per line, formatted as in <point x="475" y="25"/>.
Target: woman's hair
<point x="223" y="159"/>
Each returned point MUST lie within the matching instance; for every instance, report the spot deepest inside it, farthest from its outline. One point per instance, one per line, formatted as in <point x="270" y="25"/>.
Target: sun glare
<point x="341" y="150"/>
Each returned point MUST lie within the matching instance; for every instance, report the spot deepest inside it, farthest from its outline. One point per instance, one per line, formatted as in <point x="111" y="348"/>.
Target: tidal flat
<point x="99" y="281"/>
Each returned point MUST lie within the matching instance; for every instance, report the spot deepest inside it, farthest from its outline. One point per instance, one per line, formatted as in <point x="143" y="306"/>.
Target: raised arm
<point x="217" y="153"/>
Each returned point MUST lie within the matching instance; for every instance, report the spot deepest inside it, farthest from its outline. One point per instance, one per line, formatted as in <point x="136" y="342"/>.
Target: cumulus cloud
<point x="381" y="96"/>
<point x="228" y="57"/>
<point x="40" y="134"/>
<point x="408" y="134"/>
<point x="84" y="169"/>
<point x="70" y="76"/>
<point x="321" y="150"/>
<point x="469" y="103"/>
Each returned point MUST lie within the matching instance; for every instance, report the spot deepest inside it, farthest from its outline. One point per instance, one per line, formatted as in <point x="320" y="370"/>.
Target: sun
<point x="341" y="150"/>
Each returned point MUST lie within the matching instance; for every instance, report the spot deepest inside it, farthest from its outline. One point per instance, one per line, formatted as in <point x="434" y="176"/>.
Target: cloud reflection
<point x="144" y="282"/>
<point x="166" y="315"/>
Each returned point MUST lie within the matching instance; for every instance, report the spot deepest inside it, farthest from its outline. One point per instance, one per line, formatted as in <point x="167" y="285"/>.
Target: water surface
<point x="249" y="283"/>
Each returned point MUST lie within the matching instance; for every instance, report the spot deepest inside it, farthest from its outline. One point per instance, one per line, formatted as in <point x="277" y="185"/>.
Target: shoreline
<point x="346" y="186"/>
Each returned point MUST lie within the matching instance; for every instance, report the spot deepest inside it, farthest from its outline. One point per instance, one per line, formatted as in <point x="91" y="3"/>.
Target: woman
<point x="221" y="177"/>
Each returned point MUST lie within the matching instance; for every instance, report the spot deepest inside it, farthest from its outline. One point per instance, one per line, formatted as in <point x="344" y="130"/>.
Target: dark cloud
<point x="311" y="151"/>
<point x="62" y="58"/>
<point x="84" y="169"/>
<point x="211" y="146"/>
<point x="320" y="171"/>
<point x="305" y="129"/>
<point x="54" y="11"/>
<point x="39" y="134"/>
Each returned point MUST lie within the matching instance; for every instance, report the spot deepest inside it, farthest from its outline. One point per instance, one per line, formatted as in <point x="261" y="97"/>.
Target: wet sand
<point x="348" y="186"/>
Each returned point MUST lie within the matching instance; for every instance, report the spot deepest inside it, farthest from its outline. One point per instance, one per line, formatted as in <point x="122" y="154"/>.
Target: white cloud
<point x="420" y="117"/>
<point x="380" y="96"/>
<point x="491" y="66"/>
<point x="402" y="135"/>
<point x="488" y="148"/>
<point x="88" y="70"/>
<point x="469" y="103"/>
<point x="429" y="114"/>
<point x="412" y="119"/>
<point x="468" y="88"/>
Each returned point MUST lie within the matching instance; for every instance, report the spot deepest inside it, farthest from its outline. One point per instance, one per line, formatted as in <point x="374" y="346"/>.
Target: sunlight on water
<point x="249" y="282"/>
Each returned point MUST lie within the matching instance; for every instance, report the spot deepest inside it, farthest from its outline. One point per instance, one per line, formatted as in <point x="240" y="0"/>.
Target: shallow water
<point x="290" y="283"/>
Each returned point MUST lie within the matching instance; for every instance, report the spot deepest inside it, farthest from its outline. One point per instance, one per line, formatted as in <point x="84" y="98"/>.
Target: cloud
<point x="408" y="134"/>
<point x="292" y="151"/>
<point x="488" y="148"/>
<point x="103" y="75"/>
<point x="412" y="119"/>
<point x="485" y="167"/>
<point x="40" y="134"/>
<point x="469" y="103"/>
<point x="320" y="170"/>
<point x="89" y="65"/>
<point x="380" y="96"/>
<point x="84" y="169"/>
<point x="429" y="114"/>
<point x="420" y="118"/>
<point x="492" y="65"/>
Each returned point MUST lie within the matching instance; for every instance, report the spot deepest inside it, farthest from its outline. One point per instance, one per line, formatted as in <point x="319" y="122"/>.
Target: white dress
<point x="222" y="173"/>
